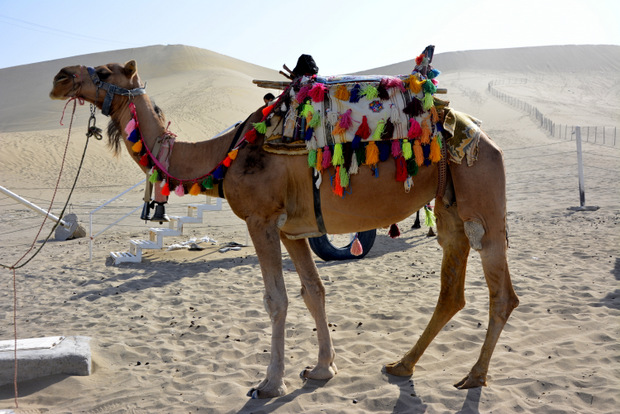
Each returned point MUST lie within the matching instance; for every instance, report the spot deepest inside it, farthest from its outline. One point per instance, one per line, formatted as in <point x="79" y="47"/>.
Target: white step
<point x="125" y="257"/>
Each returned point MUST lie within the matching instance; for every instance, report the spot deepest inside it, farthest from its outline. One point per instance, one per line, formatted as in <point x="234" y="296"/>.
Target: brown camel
<point x="273" y="194"/>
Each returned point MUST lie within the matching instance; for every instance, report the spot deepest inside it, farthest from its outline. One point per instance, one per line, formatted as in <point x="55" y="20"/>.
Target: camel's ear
<point x="131" y="68"/>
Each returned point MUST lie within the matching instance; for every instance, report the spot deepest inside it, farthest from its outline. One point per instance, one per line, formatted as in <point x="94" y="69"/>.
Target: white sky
<point x="343" y="36"/>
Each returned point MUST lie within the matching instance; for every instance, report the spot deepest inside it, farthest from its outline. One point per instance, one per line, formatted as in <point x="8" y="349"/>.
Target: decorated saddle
<point x="344" y="122"/>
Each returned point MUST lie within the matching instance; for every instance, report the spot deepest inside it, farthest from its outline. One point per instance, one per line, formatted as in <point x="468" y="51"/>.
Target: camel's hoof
<point x="262" y="393"/>
<point x="471" y="381"/>
<point x="317" y="373"/>
<point x="253" y="393"/>
<point x="399" y="369"/>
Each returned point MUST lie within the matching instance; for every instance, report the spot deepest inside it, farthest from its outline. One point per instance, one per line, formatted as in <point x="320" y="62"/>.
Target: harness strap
<point x="111" y="90"/>
<point x="443" y="172"/>
<point x="316" y="195"/>
<point x="220" y="185"/>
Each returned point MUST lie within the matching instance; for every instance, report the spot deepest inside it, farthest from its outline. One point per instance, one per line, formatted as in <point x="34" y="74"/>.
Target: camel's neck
<point x="187" y="160"/>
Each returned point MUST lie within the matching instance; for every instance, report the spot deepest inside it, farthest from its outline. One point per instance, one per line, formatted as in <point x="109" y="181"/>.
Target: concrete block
<point x="40" y="357"/>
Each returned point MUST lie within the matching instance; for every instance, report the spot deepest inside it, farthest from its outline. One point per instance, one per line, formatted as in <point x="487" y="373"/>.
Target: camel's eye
<point x="103" y="74"/>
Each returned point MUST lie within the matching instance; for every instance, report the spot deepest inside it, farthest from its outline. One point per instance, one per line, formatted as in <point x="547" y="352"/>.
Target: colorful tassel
<point x="429" y="219"/>
<point x="372" y="154"/>
<point x="429" y="87"/>
<point x="344" y="177"/>
<point x="355" y="144"/>
<point x="406" y="149"/>
<point x="356" y="247"/>
<point x="267" y="110"/>
<point x="379" y="130"/>
<point x="308" y="134"/>
<point x="418" y="153"/>
<point x="433" y="73"/>
<point x="415" y="130"/>
<point x="327" y="158"/>
<point x="251" y="136"/>
<point x="354" y="167"/>
<point x="153" y="178"/>
<point x="180" y="190"/>
<point x="434" y="115"/>
<point x="307" y="111"/>
<point x="137" y="147"/>
<point x="394" y="82"/>
<point x="227" y="161"/>
<point x="144" y="160"/>
<point x="370" y="92"/>
<point x="356" y="93"/>
<point x="134" y="136"/>
<point x="414" y="108"/>
<point x="303" y="93"/>
<point x="317" y="93"/>
<point x="345" y="120"/>
<point x="435" y="149"/>
<point x="401" y="169"/>
<point x="415" y="85"/>
<point x="131" y="125"/>
<point x="384" y="150"/>
<point x="315" y="121"/>
<point x="261" y="127"/>
<point x="311" y="158"/>
<point x="337" y="157"/>
<point x="364" y="130"/>
<point x="382" y="91"/>
<point x="412" y="167"/>
<point x="195" y="190"/>
<point x="218" y="173"/>
<point x="428" y="102"/>
<point x="425" y="137"/>
<point x="337" y="187"/>
<point x="207" y="183"/>
<point x="319" y="159"/>
<point x="342" y="93"/>
<point x="394" y="231"/>
<point x="396" y="150"/>
<point x="388" y="130"/>
<point x="165" y="189"/>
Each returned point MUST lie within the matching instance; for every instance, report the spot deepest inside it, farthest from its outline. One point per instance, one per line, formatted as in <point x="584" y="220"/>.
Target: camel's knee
<point x="474" y="232"/>
<point x="276" y="307"/>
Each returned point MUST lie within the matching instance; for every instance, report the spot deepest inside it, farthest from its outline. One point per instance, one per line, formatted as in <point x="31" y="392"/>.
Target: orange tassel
<point x="233" y="154"/>
<point x="342" y="93"/>
<point x="418" y="153"/>
<point x="227" y="161"/>
<point x="435" y="150"/>
<point x="137" y="147"/>
<point x="425" y="138"/>
<point x="337" y="189"/>
<point x="319" y="159"/>
<point x="372" y="153"/>
<point x="195" y="190"/>
<point x="434" y="114"/>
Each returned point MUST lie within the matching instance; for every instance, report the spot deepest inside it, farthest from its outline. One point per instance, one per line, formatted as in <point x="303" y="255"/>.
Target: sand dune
<point x="187" y="332"/>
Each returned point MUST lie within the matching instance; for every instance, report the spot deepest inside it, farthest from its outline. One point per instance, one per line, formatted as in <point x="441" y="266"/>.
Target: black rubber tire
<point x="322" y="247"/>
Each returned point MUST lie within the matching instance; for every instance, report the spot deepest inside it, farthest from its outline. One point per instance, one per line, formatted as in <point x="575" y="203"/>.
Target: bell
<point x="160" y="213"/>
<point x="146" y="211"/>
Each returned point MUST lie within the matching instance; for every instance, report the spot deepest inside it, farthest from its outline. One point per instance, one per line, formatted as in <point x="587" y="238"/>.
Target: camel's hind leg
<point x="313" y="292"/>
<point x="452" y="238"/>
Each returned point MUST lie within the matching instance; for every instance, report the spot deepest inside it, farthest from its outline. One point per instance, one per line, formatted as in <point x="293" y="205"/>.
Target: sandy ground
<point x="187" y="332"/>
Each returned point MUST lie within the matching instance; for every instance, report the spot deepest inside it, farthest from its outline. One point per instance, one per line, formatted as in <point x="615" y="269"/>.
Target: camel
<point x="273" y="195"/>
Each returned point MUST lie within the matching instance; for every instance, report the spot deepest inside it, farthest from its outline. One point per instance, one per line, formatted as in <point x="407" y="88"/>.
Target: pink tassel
<point x="395" y="83"/>
<point x="396" y="151"/>
<point x="180" y="191"/>
<point x="327" y="158"/>
<point x="131" y="125"/>
<point x="303" y="93"/>
<point x="415" y="130"/>
<point x="356" y="247"/>
<point x="317" y="93"/>
<point x="345" y="120"/>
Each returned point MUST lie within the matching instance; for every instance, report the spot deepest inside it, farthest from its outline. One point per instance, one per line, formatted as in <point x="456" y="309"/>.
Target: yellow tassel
<point x="372" y="153"/>
<point x="407" y="150"/>
<point x="415" y="85"/>
<point x="233" y="154"/>
<point x="342" y="93"/>
<point x="418" y="153"/>
<point x="435" y="155"/>
<point x="338" y="130"/>
<point x="137" y="147"/>
<point x="195" y="190"/>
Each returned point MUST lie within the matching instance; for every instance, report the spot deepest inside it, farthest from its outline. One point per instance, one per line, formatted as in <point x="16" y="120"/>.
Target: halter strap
<point x="111" y="90"/>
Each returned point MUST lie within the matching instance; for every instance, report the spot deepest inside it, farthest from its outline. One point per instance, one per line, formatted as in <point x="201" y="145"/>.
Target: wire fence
<point x="604" y="135"/>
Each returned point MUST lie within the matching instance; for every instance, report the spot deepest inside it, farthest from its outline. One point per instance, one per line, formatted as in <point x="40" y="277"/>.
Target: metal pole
<point x="34" y="207"/>
<point x="582" y="194"/>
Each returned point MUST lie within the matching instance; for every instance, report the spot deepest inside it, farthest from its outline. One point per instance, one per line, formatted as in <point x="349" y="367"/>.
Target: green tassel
<point x="153" y="178"/>
<point x="380" y="127"/>
<point x="407" y="150"/>
<point x="315" y="121"/>
<point x="429" y="221"/>
<point x="370" y="92"/>
<point x="429" y="87"/>
<point x="428" y="102"/>
<point x="208" y="182"/>
<point x="338" y="157"/>
<point x="412" y="167"/>
<point x="344" y="178"/>
<point x="261" y="127"/>
<point x="312" y="158"/>
<point x="306" y="110"/>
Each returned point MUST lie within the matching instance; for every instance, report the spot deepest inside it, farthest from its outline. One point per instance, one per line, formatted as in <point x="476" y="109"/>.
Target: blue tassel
<point x="426" y="150"/>
<point x="218" y="174"/>
<point x="309" y="133"/>
<point x="133" y="137"/>
<point x="355" y="144"/>
<point x="385" y="148"/>
<point x="356" y="93"/>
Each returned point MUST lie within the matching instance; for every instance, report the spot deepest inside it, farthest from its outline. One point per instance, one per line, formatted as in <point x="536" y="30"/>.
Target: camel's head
<point x="93" y="84"/>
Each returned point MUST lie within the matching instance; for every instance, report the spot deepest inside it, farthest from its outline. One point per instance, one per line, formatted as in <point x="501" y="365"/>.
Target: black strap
<point x="316" y="195"/>
<point x="220" y="186"/>
<point x="111" y="90"/>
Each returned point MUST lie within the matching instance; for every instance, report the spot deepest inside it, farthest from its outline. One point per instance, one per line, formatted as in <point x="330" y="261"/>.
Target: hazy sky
<point x="343" y="36"/>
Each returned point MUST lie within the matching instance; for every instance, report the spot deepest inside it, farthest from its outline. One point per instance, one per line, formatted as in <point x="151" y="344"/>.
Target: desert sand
<point x="186" y="331"/>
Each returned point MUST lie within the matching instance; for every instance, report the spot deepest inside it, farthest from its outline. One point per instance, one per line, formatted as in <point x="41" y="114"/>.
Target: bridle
<point x="111" y="90"/>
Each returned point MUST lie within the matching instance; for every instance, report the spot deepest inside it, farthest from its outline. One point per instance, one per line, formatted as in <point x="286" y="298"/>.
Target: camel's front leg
<point x="452" y="238"/>
<point x="313" y="292"/>
<point x="267" y="244"/>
